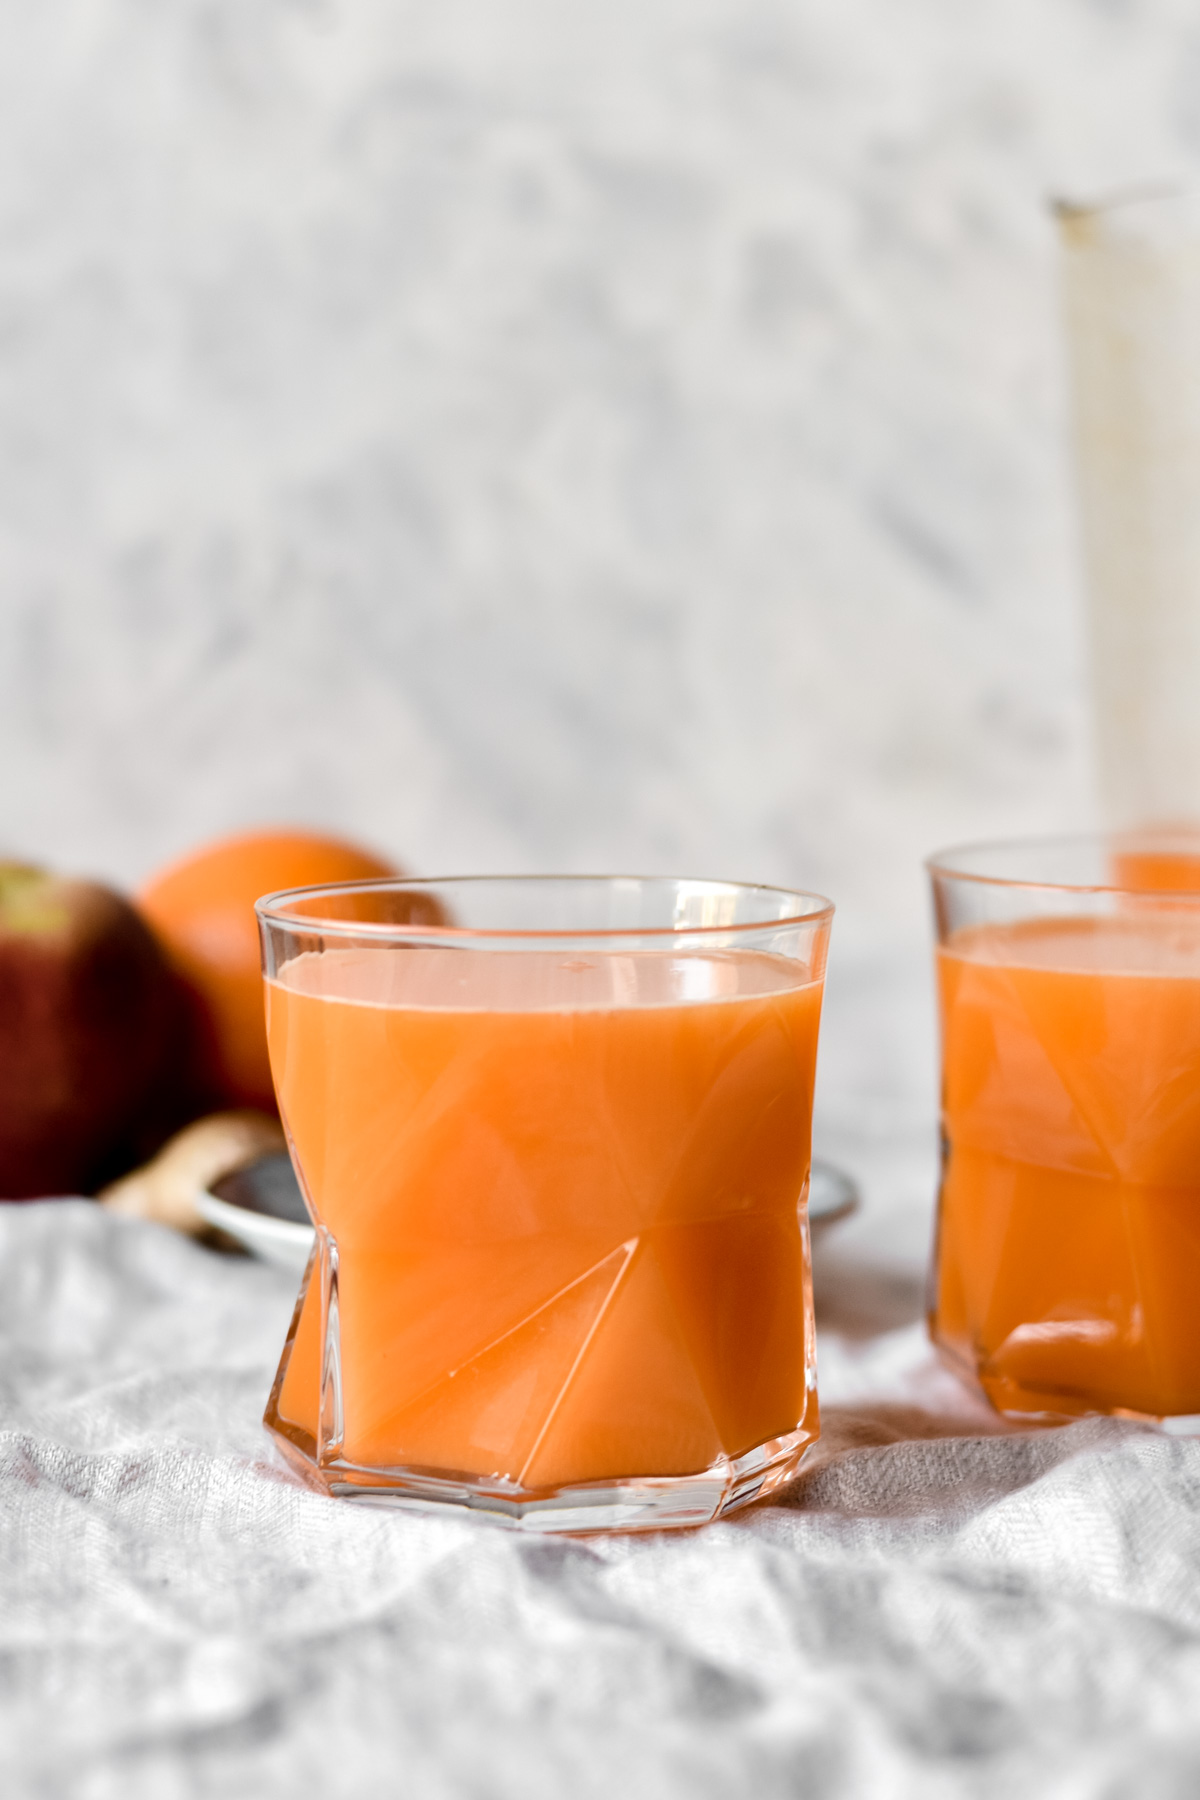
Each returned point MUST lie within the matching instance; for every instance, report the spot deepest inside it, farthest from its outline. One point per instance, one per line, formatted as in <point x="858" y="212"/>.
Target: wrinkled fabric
<point x="940" y="1606"/>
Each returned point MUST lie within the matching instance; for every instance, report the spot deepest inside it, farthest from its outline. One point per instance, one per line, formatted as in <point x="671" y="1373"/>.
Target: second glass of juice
<point x="1067" y="1265"/>
<point x="554" y="1136"/>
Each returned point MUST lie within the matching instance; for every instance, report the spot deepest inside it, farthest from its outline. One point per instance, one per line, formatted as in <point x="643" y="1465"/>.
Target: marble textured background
<point x="529" y="434"/>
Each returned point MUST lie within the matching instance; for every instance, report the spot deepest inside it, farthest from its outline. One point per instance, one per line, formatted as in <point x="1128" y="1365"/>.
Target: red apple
<point x="88" y="1018"/>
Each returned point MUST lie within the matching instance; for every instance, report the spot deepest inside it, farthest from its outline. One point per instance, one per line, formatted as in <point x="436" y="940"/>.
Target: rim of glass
<point x="1164" y="842"/>
<point x="810" y="908"/>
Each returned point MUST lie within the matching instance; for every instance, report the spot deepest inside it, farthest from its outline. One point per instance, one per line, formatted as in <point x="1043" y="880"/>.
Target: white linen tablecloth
<point x="939" y="1607"/>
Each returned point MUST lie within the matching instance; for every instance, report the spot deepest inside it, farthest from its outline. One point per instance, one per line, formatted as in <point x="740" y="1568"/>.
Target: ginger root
<point x="165" y="1188"/>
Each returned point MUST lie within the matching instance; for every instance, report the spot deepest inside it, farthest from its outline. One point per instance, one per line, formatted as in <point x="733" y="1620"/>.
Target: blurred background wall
<point x="528" y="434"/>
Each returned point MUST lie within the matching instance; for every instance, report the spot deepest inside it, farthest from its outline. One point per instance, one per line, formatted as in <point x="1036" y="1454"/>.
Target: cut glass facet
<point x="579" y="1387"/>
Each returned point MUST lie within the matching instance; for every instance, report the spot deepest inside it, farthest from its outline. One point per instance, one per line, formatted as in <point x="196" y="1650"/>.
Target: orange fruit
<point x="201" y="909"/>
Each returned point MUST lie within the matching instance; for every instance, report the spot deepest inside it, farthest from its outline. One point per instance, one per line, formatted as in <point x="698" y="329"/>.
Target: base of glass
<point x="634" y="1503"/>
<point x="1024" y="1404"/>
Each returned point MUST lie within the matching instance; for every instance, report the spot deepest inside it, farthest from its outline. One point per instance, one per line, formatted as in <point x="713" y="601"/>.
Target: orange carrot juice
<point x="563" y="1197"/>
<point x="1068" y="1260"/>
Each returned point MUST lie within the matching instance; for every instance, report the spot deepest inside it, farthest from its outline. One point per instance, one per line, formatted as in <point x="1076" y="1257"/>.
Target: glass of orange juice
<point x="1066" y="1274"/>
<point x="554" y="1137"/>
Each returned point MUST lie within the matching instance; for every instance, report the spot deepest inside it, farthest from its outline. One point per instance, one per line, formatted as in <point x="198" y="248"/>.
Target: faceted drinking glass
<point x="554" y="1137"/>
<point x="1067" y="1260"/>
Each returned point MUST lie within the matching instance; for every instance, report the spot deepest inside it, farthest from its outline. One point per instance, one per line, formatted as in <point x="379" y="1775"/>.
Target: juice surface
<point x="1068" y="1257"/>
<point x="564" y="1195"/>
